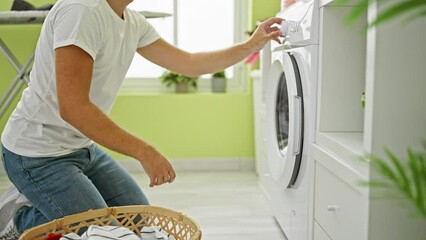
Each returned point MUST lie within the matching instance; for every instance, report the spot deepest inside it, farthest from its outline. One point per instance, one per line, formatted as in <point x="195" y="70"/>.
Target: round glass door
<point x="285" y="119"/>
<point x="282" y="115"/>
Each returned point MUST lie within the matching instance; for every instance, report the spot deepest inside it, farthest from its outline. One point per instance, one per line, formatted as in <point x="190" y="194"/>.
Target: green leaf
<point x="412" y="17"/>
<point x="414" y="8"/>
<point x="220" y="74"/>
<point x="396" y="10"/>
<point x="383" y="168"/>
<point x="375" y="183"/>
<point x="423" y="166"/>
<point x="422" y="158"/>
<point x="414" y="164"/>
<point x="341" y="2"/>
<point x="360" y="9"/>
<point x="404" y="183"/>
<point x="169" y="78"/>
<point x="409" y="179"/>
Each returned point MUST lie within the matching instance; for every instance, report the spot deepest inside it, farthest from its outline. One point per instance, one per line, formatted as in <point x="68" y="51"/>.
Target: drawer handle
<point x="332" y="208"/>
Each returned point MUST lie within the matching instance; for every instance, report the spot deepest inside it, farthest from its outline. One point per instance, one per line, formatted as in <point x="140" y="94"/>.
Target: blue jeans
<point x="59" y="186"/>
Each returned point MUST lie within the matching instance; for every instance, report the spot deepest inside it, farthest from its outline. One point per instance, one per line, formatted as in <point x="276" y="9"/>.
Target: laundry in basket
<point x="137" y="219"/>
<point x="96" y="232"/>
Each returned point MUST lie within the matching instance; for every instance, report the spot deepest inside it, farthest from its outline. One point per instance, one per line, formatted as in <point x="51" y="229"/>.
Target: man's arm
<point x="194" y="64"/>
<point x="74" y="69"/>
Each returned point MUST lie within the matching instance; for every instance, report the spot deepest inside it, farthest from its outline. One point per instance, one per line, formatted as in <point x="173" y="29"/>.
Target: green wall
<point x="263" y="9"/>
<point x="194" y="125"/>
<point x="21" y="41"/>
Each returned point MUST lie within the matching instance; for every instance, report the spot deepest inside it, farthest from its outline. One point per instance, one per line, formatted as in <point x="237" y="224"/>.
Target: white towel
<point x="155" y="233"/>
<point x="113" y="232"/>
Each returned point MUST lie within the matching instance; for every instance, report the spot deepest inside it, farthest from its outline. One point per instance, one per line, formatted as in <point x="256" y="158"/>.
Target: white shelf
<point x="340" y="168"/>
<point x="349" y="142"/>
<point x="325" y="2"/>
<point x="341" y="73"/>
<point x="348" y="146"/>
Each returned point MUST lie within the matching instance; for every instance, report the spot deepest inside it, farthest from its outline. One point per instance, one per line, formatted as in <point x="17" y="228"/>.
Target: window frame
<point x="238" y="83"/>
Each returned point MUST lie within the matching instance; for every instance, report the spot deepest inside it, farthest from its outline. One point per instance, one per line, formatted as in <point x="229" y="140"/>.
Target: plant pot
<point x="218" y="85"/>
<point x="182" y="87"/>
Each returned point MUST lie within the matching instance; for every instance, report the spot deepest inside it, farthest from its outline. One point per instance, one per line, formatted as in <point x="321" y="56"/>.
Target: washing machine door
<point x="284" y="120"/>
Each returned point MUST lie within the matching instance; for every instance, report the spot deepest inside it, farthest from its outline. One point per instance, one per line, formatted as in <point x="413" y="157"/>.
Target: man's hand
<point x="266" y="31"/>
<point x="156" y="166"/>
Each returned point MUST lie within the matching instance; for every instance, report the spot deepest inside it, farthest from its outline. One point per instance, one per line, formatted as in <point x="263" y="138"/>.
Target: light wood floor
<point x="227" y="205"/>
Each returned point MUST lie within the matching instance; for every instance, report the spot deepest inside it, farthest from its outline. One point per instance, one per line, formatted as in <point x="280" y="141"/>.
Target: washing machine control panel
<point x="300" y="27"/>
<point x="289" y="28"/>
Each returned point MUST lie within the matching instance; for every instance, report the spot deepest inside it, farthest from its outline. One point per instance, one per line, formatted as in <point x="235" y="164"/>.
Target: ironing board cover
<point x="23" y="17"/>
<point x="37" y="16"/>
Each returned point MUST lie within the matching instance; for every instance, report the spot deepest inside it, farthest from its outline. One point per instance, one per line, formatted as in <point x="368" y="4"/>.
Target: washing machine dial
<point x="289" y="27"/>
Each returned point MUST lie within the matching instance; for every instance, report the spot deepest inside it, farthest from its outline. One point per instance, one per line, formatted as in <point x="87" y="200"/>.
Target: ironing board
<point x="17" y="17"/>
<point x="30" y="17"/>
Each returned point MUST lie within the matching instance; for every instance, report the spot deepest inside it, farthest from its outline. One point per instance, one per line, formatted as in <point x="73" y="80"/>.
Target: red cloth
<point x="53" y="236"/>
<point x="252" y="59"/>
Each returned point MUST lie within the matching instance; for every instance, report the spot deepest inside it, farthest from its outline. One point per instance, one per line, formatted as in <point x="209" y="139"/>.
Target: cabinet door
<point x="341" y="210"/>
<point x="319" y="233"/>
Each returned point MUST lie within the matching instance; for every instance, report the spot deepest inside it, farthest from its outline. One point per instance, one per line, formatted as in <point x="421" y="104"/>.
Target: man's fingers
<point x="273" y="20"/>
<point x="172" y="175"/>
<point x="275" y="29"/>
<point x="155" y="181"/>
<point x="152" y="182"/>
<point x="161" y="179"/>
<point x="275" y="36"/>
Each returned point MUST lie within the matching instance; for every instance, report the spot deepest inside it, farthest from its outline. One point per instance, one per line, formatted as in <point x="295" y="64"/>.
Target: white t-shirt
<point x="35" y="128"/>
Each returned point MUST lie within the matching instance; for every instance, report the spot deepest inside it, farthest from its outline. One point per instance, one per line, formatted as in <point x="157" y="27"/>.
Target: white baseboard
<point x="199" y="164"/>
<point x="192" y="164"/>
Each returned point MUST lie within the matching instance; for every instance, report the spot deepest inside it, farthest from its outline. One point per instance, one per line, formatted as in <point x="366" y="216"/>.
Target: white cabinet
<point x="319" y="233"/>
<point x="262" y="167"/>
<point x="340" y="207"/>
<point x="388" y="63"/>
<point x="260" y="81"/>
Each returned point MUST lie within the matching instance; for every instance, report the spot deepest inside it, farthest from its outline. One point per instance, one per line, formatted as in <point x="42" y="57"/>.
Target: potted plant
<point x="219" y="82"/>
<point x="406" y="178"/>
<point x="181" y="82"/>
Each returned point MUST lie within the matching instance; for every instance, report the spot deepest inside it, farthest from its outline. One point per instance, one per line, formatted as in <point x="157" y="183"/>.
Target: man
<point x="82" y="56"/>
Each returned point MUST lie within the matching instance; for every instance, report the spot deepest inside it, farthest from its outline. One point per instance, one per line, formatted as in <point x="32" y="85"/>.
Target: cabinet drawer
<point x="319" y="233"/>
<point x="339" y="209"/>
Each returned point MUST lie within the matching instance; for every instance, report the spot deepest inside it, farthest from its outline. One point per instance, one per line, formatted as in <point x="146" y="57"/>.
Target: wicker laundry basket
<point x="176" y="224"/>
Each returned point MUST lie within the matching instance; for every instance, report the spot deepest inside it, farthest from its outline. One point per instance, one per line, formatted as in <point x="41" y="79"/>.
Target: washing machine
<point x="291" y="116"/>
